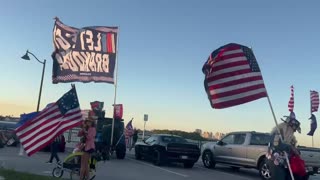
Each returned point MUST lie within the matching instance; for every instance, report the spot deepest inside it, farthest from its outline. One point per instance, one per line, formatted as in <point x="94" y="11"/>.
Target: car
<point x="9" y="137"/>
<point x="164" y="148"/>
<point x="248" y="150"/>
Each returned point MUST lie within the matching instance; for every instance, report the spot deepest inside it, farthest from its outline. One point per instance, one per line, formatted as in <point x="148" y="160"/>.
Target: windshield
<point x="173" y="139"/>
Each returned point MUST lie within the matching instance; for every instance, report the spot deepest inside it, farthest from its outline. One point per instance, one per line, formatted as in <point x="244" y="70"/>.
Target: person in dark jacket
<point x="54" y="150"/>
<point x="134" y="137"/>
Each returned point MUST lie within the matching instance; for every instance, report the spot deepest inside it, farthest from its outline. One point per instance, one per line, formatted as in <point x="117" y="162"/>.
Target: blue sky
<point x="162" y="48"/>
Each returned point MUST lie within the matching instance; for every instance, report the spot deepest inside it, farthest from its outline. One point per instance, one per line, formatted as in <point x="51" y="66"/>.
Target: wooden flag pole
<point x="311" y="115"/>
<point x="281" y="138"/>
<point x="277" y="125"/>
<point x="115" y="88"/>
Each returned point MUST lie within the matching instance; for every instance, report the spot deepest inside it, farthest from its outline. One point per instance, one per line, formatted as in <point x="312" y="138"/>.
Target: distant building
<point x="199" y="131"/>
<point x="219" y="135"/>
<point x="207" y="135"/>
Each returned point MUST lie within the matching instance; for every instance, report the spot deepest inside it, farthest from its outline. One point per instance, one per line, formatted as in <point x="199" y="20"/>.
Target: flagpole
<point x="115" y="87"/>
<point x="281" y="138"/>
<point x="311" y="114"/>
<point x="278" y="129"/>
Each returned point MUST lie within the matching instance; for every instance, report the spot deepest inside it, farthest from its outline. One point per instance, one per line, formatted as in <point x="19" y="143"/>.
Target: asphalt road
<point x="127" y="169"/>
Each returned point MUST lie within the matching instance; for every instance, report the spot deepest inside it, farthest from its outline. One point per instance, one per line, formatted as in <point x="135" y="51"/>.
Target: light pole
<point x="145" y="119"/>
<point x="26" y="57"/>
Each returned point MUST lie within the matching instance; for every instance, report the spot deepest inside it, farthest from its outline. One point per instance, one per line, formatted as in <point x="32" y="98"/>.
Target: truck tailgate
<point x="311" y="156"/>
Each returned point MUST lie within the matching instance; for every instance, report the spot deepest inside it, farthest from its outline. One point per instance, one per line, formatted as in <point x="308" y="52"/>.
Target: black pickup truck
<point x="163" y="148"/>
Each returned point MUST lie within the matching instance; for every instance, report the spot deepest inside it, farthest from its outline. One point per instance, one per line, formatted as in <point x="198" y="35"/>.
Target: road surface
<point x="127" y="169"/>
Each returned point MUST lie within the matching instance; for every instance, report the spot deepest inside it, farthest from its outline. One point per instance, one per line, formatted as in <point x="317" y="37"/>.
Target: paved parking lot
<point x="127" y="169"/>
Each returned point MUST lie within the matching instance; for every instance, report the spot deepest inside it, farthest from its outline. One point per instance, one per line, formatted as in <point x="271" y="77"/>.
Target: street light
<point x="26" y="57"/>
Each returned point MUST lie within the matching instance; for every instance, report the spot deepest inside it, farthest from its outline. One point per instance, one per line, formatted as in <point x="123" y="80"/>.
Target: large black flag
<point x="84" y="55"/>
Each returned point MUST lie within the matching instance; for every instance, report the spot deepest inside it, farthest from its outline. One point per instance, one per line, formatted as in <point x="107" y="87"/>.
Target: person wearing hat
<point x="88" y="134"/>
<point x="279" y="148"/>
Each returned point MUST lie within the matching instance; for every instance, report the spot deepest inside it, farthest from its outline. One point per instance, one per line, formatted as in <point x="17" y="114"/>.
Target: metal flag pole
<point x="311" y="115"/>
<point x="115" y="87"/>
<point x="281" y="138"/>
<point x="278" y="129"/>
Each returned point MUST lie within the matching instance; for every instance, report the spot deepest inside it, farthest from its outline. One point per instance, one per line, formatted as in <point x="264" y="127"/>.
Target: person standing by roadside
<point x="88" y="133"/>
<point x="54" y="150"/>
<point x="134" y="138"/>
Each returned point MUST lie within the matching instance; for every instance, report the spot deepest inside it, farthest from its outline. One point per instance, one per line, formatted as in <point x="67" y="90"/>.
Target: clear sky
<point x="162" y="48"/>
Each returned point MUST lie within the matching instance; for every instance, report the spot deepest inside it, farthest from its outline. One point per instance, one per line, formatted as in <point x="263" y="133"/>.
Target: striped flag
<point x="129" y="129"/>
<point x="51" y="122"/>
<point x="314" y="96"/>
<point x="291" y="100"/>
<point x="233" y="77"/>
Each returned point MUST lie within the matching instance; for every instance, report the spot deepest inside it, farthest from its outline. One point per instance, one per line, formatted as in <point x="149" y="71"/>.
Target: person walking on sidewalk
<point x="54" y="150"/>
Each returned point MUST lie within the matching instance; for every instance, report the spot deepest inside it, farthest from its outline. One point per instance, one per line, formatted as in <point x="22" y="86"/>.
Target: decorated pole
<point x="311" y="114"/>
<point x="115" y="89"/>
<point x="314" y="105"/>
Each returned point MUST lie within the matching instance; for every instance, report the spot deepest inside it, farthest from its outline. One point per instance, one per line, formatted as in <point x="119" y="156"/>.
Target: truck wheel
<point x="264" y="170"/>
<point x="207" y="159"/>
<point x="137" y="154"/>
<point x="188" y="165"/>
<point x="120" y="154"/>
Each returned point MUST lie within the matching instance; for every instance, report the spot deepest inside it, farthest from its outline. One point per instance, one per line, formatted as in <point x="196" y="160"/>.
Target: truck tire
<point x="208" y="159"/>
<point x="264" y="170"/>
<point x="137" y="153"/>
<point x="121" y="151"/>
<point x="188" y="165"/>
<point x="120" y="154"/>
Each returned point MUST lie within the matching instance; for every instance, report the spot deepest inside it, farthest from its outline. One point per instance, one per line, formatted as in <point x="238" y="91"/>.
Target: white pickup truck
<point x="248" y="150"/>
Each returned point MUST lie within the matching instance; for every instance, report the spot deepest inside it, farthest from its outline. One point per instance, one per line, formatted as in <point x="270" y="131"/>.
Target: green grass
<point x="14" y="175"/>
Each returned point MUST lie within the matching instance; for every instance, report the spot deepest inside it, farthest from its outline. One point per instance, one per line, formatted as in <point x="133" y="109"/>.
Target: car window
<point x="239" y="138"/>
<point x="260" y="139"/>
<point x="150" y="139"/>
<point x="173" y="139"/>
<point x="229" y="139"/>
<point x="234" y="139"/>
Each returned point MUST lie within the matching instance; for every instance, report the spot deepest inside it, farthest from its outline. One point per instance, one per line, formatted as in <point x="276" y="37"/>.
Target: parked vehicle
<point x="8" y="137"/>
<point x="163" y="148"/>
<point x="248" y="150"/>
<point x="104" y="129"/>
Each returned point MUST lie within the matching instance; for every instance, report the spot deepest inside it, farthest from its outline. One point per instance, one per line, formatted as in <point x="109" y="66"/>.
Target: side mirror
<point x="220" y="143"/>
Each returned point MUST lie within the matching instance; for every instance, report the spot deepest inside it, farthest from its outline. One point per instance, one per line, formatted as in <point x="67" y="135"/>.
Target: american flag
<point x="233" y="77"/>
<point x="291" y="100"/>
<point x="129" y="129"/>
<point x="51" y="122"/>
<point x="314" y="96"/>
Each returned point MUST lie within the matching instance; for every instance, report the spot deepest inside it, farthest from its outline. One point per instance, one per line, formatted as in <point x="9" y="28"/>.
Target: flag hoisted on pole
<point x="314" y="96"/>
<point x="89" y="54"/>
<point x="314" y="105"/>
<point x="51" y="122"/>
<point x="291" y="100"/>
<point x="84" y="55"/>
<point x="233" y="77"/>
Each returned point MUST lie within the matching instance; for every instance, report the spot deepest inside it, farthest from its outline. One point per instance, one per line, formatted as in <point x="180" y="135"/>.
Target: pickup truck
<point x="248" y="150"/>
